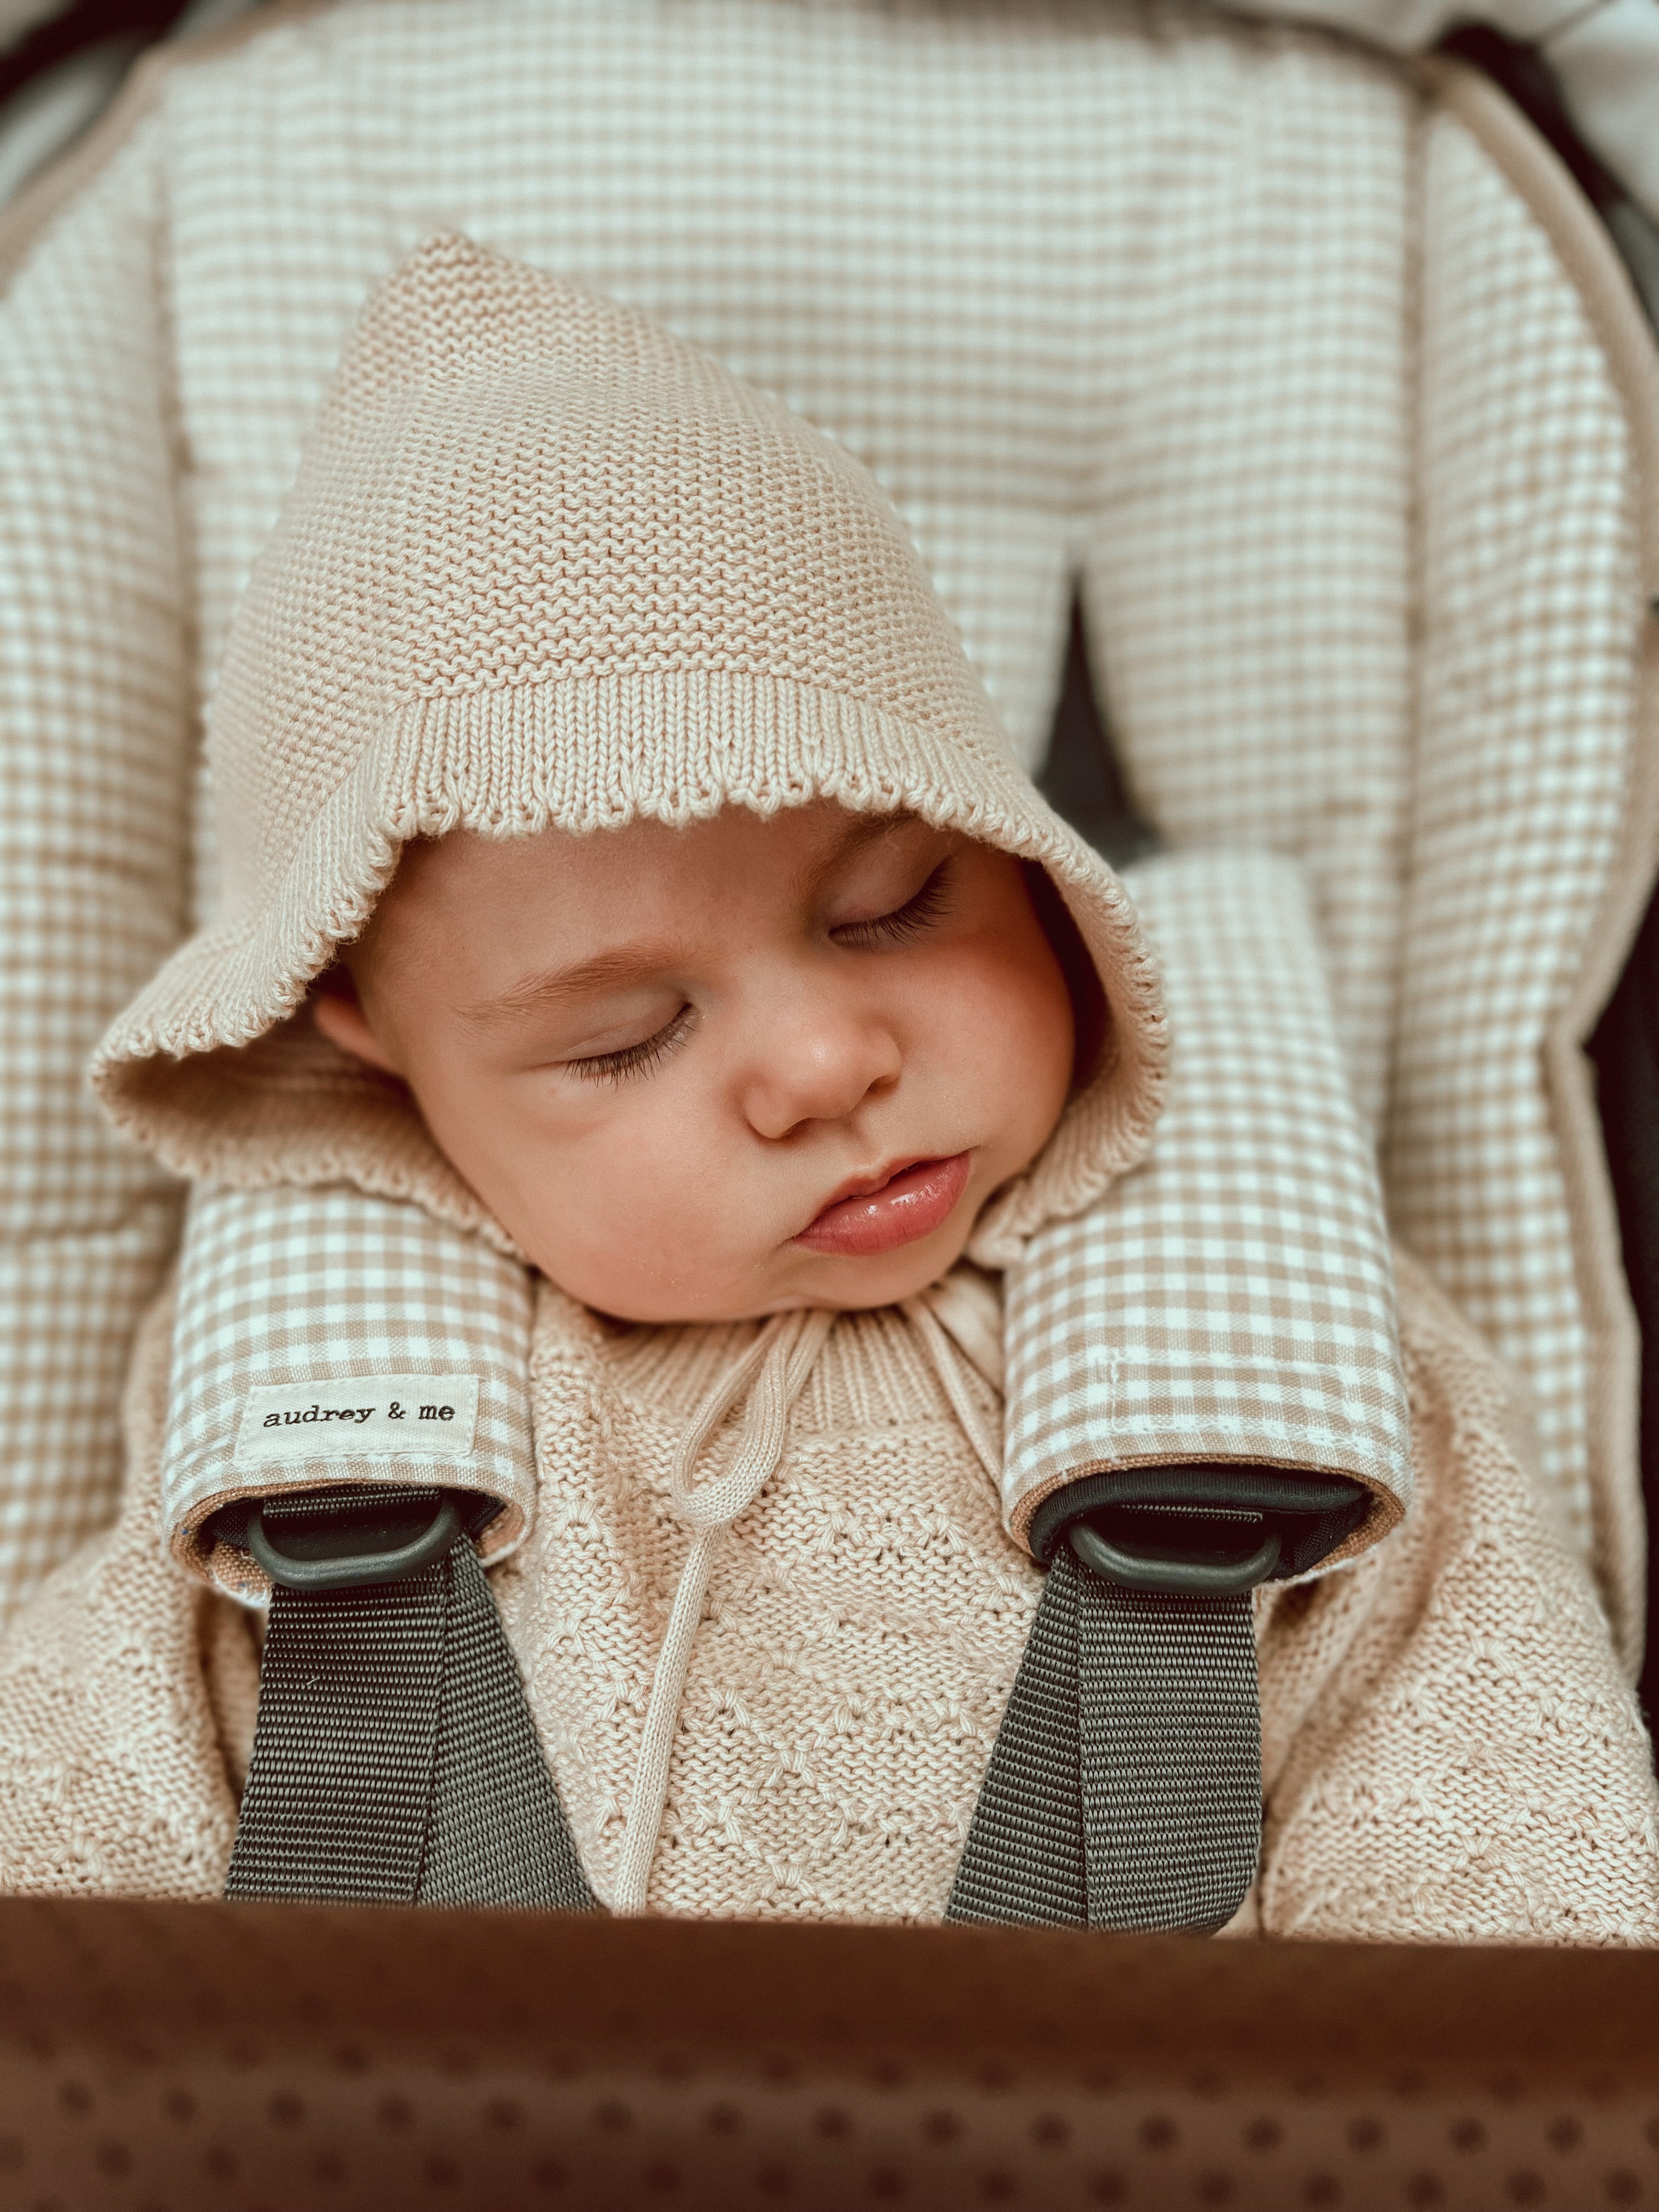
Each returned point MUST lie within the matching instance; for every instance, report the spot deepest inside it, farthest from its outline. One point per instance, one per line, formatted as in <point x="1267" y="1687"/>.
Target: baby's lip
<point x="896" y="1206"/>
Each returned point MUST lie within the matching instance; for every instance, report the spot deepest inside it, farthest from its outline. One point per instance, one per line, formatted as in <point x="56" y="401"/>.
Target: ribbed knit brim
<point x="547" y="565"/>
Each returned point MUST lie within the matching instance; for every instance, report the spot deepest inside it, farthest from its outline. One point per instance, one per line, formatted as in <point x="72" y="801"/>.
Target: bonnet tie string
<point x="783" y="1355"/>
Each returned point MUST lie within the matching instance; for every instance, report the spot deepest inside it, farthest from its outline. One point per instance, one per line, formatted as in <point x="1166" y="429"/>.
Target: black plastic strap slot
<point x="1311" y="1514"/>
<point x="357" y="1545"/>
<point x="1145" y="1548"/>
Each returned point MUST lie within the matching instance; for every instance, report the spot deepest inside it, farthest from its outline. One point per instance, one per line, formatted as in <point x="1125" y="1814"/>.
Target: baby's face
<point x="721" y="1072"/>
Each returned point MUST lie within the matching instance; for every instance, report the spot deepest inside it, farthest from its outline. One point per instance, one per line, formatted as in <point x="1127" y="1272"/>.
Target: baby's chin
<point x="816" y="1283"/>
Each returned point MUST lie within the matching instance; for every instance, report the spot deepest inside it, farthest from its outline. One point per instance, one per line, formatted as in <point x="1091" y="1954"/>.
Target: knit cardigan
<point x="1448" y="1751"/>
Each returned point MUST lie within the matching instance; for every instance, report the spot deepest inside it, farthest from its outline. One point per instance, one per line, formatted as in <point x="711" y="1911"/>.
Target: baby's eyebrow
<point x="622" y="966"/>
<point x="861" y="830"/>
<point x="547" y="988"/>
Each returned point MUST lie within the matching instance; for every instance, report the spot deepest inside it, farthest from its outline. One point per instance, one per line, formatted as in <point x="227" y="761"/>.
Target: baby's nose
<point x="819" y="1068"/>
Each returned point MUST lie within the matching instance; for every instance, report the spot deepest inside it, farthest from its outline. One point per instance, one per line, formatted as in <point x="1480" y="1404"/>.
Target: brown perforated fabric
<point x="251" y="2057"/>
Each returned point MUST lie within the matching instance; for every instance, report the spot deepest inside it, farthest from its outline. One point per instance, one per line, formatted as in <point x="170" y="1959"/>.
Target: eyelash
<point x="636" y="1058"/>
<point x="904" y="923"/>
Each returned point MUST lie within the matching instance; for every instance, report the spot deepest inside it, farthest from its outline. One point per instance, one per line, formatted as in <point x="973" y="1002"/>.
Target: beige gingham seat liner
<point x="1093" y="299"/>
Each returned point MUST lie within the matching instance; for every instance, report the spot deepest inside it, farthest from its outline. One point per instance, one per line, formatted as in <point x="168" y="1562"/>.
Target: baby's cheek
<point x="637" y="1221"/>
<point x="1025" y="1042"/>
<point x="1043" y="1056"/>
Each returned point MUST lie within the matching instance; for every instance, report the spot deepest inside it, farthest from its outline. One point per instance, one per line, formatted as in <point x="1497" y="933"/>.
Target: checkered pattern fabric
<point x="1231" y="1298"/>
<point x="1532" y="612"/>
<point x="1089" y="295"/>
<point x="1247" y="572"/>
<point x="325" y="1287"/>
<point x="96" y="723"/>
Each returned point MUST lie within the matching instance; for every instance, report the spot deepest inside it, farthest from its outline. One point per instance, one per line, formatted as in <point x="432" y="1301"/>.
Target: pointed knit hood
<point x="546" y="564"/>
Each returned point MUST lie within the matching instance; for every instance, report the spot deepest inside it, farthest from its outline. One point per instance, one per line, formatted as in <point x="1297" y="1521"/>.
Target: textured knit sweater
<point x="1448" y="1750"/>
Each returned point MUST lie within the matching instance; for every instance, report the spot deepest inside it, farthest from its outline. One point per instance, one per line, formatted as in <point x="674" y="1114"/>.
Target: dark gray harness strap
<point x="498" y="1833"/>
<point x="339" y="1786"/>
<point x="395" y="1761"/>
<point x="1124" y="1788"/>
<point x="1025" y="1857"/>
<point x="1171" y="1755"/>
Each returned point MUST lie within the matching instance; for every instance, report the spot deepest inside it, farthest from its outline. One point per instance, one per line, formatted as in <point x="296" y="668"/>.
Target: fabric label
<point x="366" y="1417"/>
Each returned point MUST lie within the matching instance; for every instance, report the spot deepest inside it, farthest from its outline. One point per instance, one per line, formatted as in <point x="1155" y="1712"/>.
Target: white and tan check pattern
<point x="95" y="724"/>
<point x="1088" y="293"/>
<point x="1532" y="615"/>
<point x="326" y="1286"/>
<point x="1232" y="1299"/>
<point x="1249" y="569"/>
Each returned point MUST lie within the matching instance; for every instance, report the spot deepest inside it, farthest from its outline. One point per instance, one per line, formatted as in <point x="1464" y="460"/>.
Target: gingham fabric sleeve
<point x="284" y="1292"/>
<point x="96" y="725"/>
<point x="1232" y="1299"/>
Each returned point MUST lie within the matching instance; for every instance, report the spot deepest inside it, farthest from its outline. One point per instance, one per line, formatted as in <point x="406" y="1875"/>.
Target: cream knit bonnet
<point x="546" y="564"/>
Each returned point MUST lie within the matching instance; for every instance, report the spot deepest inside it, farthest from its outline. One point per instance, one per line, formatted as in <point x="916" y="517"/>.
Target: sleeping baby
<point x="624" y="865"/>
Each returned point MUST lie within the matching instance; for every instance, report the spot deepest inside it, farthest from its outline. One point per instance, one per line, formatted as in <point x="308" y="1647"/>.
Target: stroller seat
<point x="1303" y="368"/>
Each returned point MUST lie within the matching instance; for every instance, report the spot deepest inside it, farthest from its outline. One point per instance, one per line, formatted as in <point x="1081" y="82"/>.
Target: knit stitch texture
<point x="547" y="565"/>
<point x="1449" y="1753"/>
